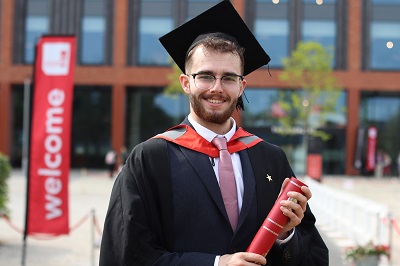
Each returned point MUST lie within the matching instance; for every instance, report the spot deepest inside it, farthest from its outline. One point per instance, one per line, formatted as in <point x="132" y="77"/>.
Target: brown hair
<point x="217" y="44"/>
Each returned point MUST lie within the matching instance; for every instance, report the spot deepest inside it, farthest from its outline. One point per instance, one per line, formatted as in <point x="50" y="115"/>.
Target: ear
<point x="185" y="83"/>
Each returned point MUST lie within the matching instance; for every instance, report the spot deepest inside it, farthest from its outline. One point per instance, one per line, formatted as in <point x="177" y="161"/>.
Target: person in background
<point x="387" y="163"/>
<point x="169" y="204"/>
<point x="111" y="161"/>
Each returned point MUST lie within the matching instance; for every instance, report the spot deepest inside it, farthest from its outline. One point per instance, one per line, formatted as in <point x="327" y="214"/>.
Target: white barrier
<point x="350" y="216"/>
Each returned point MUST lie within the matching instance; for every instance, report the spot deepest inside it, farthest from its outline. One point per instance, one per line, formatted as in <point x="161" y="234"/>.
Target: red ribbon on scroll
<point x="274" y="223"/>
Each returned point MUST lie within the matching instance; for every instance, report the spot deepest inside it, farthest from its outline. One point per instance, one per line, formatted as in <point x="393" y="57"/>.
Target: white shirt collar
<point x="208" y="134"/>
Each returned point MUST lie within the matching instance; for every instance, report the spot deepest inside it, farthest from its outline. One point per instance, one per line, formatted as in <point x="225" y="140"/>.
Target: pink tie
<point x="227" y="181"/>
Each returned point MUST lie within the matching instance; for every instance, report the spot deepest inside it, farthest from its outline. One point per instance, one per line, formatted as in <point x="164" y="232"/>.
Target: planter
<point x="371" y="260"/>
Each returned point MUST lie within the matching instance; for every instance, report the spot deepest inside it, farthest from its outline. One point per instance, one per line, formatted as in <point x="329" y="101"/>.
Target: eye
<point x="205" y="77"/>
<point x="230" y="78"/>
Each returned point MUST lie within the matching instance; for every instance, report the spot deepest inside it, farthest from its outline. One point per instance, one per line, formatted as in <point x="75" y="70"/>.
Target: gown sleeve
<point x="306" y="248"/>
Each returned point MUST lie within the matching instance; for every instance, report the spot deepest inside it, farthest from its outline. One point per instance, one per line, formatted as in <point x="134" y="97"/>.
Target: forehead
<point x="214" y="61"/>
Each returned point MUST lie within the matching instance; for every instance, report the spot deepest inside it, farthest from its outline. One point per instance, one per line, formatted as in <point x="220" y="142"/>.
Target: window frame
<point x="63" y="20"/>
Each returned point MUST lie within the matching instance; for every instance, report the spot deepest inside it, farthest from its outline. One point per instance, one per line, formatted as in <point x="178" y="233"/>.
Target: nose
<point x="217" y="86"/>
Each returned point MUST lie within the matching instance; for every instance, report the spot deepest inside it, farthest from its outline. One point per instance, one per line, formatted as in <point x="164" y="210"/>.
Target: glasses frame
<point x="215" y="79"/>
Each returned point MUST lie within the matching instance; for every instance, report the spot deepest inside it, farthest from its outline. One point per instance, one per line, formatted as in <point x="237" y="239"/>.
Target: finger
<point x="291" y="210"/>
<point x="255" y="258"/>
<point x="299" y="199"/>
<point x="294" y="220"/>
<point x="307" y="192"/>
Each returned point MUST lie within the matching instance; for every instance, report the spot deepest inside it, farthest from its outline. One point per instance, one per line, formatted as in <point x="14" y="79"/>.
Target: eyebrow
<point x="208" y="72"/>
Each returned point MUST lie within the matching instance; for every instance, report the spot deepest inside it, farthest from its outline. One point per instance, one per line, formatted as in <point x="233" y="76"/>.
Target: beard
<point x="211" y="116"/>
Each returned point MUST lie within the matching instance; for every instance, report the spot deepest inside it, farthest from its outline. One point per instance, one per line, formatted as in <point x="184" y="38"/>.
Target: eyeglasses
<point x="205" y="81"/>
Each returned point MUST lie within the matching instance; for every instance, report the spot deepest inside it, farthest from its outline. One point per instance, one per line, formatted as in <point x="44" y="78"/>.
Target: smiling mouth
<point x="215" y="101"/>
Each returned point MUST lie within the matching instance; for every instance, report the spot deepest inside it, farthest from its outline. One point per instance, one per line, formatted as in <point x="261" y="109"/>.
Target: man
<point x="168" y="205"/>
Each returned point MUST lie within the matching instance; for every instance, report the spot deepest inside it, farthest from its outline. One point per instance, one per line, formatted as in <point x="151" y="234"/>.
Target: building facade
<point x="122" y="70"/>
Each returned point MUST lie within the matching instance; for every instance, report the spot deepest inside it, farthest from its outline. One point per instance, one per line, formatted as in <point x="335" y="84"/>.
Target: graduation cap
<point x="221" y="18"/>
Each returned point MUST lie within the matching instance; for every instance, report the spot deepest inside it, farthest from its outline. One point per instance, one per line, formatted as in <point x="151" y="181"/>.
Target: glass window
<point x="384" y="35"/>
<point x="150" y="112"/>
<point x="195" y="7"/>
<point x="261" y="117"/>
<point x="155" y="20"/>
<point x="17" y="105"/>
<point x="259" y="111"/>
<point x="385" y="45"/>
<point x="319" y="24"/>
<point x="383" y="2"/>
<point x="379" y="108"/>
<point x="36" y="24"/>
<point x="271" y="28"/>
<point x="280" y="24"/>
<point x="319" y="2"/>
<point x="319" y="31"/>
<point x="91" y="124"/>
<point x="273" y="37"/>
<point x="88" y="19"/>
<point x="151" y="51"/>
<point x="93" y="32"/>
<point x="382" y="110"/>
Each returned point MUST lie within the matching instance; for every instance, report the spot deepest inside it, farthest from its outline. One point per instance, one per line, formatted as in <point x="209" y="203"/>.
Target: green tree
<point x="5" y="169"/>
<point x="174" y="86"/>
<point x="309" y="71"/>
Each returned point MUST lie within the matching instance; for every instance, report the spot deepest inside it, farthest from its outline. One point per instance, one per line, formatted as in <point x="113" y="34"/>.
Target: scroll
<point x="275" y="221"/>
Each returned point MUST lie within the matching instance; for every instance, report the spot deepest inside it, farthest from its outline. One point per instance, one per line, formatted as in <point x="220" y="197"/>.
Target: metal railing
<point x="349" y="216"/>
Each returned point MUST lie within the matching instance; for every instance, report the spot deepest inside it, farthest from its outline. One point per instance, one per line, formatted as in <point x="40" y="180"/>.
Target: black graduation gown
<point x="166" y="209"/>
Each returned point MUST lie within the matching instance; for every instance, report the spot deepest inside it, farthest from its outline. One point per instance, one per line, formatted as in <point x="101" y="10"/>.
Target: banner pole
<point x="92" y="236"/>
<point x="390" y="219"/>
<point x="29" y="86"/>
<point x="26" y="121"/>
<point x="25" y="154"/>
<point x="24" y="246"/>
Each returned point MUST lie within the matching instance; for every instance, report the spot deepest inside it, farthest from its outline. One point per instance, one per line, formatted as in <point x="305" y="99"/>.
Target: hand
<point x="294" y="209"/>
<point x="242" y="259"/>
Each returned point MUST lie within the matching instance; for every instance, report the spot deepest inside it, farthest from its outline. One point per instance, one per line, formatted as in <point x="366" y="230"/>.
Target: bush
<point x="5" y="169"/>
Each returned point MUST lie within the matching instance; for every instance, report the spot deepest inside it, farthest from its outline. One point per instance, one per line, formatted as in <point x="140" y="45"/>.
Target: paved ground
<point x="90" y="191"/>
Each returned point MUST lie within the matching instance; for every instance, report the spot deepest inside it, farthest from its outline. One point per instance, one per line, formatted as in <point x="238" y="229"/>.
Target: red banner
<point x="49" y="156"/>
<point x="314" y="166"/>
<point x="371" y="148"/>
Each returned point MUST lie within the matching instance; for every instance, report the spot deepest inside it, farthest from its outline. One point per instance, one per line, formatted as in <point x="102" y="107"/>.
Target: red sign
<point x="49" y="157"/>
<point x="371" y="148"/>
<point x="314" y="166"/>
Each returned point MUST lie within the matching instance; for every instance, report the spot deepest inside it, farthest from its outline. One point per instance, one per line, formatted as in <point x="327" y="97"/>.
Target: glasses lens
<point x="204" y="82"/>
<point x="230" y="82"/>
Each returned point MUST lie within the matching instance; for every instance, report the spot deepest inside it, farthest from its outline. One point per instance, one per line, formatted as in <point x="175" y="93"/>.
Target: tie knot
<point x="220" y="143"/>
